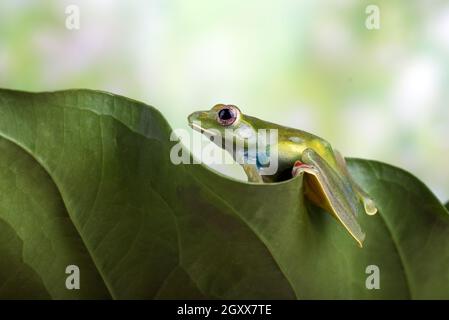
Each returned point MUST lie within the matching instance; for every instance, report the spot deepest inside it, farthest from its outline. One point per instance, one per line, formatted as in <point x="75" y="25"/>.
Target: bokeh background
<point x="378" y="94"/>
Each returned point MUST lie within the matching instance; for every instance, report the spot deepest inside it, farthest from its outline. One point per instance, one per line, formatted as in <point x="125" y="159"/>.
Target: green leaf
<point x="86" y="179"/>
<point x="447" y="206"/>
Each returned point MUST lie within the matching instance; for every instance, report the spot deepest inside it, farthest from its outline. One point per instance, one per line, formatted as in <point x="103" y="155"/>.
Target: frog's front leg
<point x="326" y="188"/>
<point x="252" y="173"/>
<point x="248" y="165"/>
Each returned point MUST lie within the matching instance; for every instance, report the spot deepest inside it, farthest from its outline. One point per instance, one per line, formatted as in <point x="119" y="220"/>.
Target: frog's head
<point x="225" y="120"/>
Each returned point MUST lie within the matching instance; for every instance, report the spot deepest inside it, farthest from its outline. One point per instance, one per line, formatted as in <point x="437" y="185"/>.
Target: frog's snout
<point x="194" y="116"/>
<point x="197" y="116"/>
<point x="194" y="120"/>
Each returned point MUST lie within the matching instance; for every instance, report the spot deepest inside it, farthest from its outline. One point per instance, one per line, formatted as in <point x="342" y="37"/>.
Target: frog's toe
<point x="300" y="167"/>
<point x="370" y="206"/>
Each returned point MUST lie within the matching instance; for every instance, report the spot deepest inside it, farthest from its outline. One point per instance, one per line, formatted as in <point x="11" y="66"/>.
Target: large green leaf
<point x="86" y="180"/>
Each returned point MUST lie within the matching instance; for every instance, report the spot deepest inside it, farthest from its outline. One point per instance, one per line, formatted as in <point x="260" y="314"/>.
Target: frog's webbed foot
<point x="368" y="203"/>
<point x="328" y="190"/>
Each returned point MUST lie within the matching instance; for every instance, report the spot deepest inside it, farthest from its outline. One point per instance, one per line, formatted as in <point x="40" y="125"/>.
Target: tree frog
<point x="327" y="180"/>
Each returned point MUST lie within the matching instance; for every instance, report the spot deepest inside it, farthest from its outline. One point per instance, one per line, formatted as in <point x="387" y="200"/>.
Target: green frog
<point x="327" y="180"/>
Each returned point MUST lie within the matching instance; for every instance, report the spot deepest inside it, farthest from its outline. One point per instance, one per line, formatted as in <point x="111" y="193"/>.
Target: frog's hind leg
<point x="368" y="203"/>
<point x="327" y="189"/>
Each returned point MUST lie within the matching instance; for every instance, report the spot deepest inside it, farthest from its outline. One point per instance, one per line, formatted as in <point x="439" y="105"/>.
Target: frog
<point x="328" y="183"/>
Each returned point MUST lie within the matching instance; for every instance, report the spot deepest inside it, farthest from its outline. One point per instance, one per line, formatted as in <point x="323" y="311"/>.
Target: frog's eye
<point x="227" y="115"/>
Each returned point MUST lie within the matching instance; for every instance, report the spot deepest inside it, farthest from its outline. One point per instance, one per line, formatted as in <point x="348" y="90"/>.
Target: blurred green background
<point x="377" y="94"/>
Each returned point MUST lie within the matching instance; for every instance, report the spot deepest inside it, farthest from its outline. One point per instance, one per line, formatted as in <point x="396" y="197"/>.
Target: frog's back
<point x="291" y="145"/>
<point x="284" y="133"/>
<point x="294" y="141"/>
